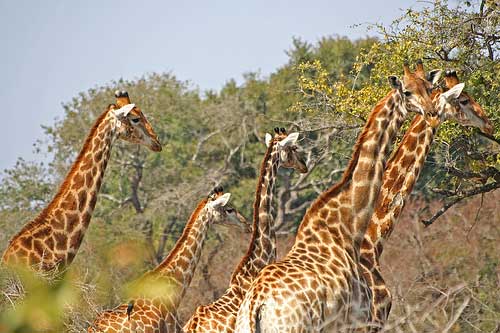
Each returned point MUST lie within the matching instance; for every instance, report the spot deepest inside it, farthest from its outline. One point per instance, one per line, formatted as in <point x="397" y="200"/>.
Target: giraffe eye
<point x="464" y="102"/>
<point x="407" y="93"/>
<point x="135" y="120"/>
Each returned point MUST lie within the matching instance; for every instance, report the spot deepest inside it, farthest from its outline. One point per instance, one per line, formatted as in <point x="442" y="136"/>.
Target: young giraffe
<point x="402" y="171"/>
<point x="220" y="316"/>
<point x="162" y="288"/>
<point x="51" y="240"/>
<point x="317" y="286"/>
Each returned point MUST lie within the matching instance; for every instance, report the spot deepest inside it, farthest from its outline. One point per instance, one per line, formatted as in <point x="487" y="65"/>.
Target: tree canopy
<point x="325" y="91"/>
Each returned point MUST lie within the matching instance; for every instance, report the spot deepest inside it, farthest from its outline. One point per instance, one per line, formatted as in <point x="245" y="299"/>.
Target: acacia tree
<point x="465" y="38"/>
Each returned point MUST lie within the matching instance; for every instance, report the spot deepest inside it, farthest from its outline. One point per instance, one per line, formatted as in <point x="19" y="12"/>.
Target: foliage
<point x="26" y="186"/>
<point x="324" y="91"/>
<point x="465" y="38"/>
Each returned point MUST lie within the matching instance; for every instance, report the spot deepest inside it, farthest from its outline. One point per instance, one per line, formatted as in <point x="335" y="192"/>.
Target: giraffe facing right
<point x="402" y="171"/>
<point x="317" y="286"/>
<point x="51" y="240"/>
<point x="220" y="315"/>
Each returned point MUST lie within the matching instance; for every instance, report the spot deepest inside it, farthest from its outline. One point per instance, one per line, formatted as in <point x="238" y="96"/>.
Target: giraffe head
<point x="290" y="155"/>
<point x="458" y="105"/>
<point x="218" y="210"/>
<point x="415" y="89"/>
<point x="132" y="125"/>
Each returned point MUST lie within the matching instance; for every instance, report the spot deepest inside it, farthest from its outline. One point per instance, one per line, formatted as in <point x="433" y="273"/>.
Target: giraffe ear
<point x="395" y="83"/>
<point x="434" y="76"/>
<point x="268" y="139"/>
<point x="454" y="92"/>
<point x="124" y="110"/>
<point x="290" y="139"/>
<point x="220" y="201"/>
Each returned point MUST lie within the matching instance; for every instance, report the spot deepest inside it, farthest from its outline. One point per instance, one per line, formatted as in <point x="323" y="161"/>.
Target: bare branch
<point x="459" y="197"/>
<point x="201" y="142"/>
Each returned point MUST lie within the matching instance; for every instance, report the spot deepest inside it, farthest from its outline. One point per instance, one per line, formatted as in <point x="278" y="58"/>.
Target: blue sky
<point x="54" y="49"/>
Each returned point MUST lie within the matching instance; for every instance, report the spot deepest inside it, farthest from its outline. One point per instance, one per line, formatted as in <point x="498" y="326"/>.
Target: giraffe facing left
<point x="51" y="240"/>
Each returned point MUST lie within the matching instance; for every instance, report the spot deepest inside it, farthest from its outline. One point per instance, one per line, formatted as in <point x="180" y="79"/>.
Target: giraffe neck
<point x="77" y="197"/>
<point x="262" y="249"/>
<point x="345" y="208"/>
<point x="70" y="211"/>
<point x="403" y="169"/>
<point x="180" y="264"/>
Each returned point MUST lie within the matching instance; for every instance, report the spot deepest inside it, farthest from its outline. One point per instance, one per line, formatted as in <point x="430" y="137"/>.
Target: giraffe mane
<point x="41" y="217"/>
<point x="349" y="171"/>
<point x="185" y="233"/>
<point x="256" y="206"/>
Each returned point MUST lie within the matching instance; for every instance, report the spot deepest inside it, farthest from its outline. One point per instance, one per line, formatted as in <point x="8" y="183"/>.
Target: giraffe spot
<point x="26" y="242"/>
<point x="72" y="220"/>
<point x="333" y="218"/>
<point x="61" y="240"/>
<point x="106" y="159"/>
<point x="93" y="200"/>
<point x="419" y="150"/>
<point x="393" y="172"/>
<point x="58" y="221"/>
<point x="69" y="202"/>
<point x="399" y="182"/>
<point x="77" y="181"/>
<point x="344" y="200"/>
<point x="323" y="213"/>
<point x="86" y="163"/>
<point x="408" y="159"/>
<point x="422" y="136"/>
<point x="89" y="181"/>
<point x="82" y="199"/>
<point x="85" y="218"/>
<point x="361" y="197"/>
<point x="380" y="295"/>
<point x="98" y="156"/>
<point x="42" y="232"/>
<point x="38" y="246"/>
<point x="411" y="143"/>
<point x="49" y="243"/>
<point x="362" y="171"/>
<point x="345" y="212"/>
<point x="98" y="182"/>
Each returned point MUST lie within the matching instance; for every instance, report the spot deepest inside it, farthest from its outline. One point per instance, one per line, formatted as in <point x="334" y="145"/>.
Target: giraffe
<point x="162" y="289"/>
<point x="317" y="285"/>
<point x="400" y="175"/>
<point x="51" y="240"/>
<point x="220" y="315"/>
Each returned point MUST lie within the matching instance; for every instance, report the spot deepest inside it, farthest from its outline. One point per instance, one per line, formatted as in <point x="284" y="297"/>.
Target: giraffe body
<point x="160" y="291"/>
<point x="220" y="316"/>
<point x="318" y="286"/>
<point x="51" y="240"/>
<point x="401" y="174"/>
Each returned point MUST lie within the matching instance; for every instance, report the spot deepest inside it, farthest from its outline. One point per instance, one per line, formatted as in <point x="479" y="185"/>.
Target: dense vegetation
<point x="325" y="90"/>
